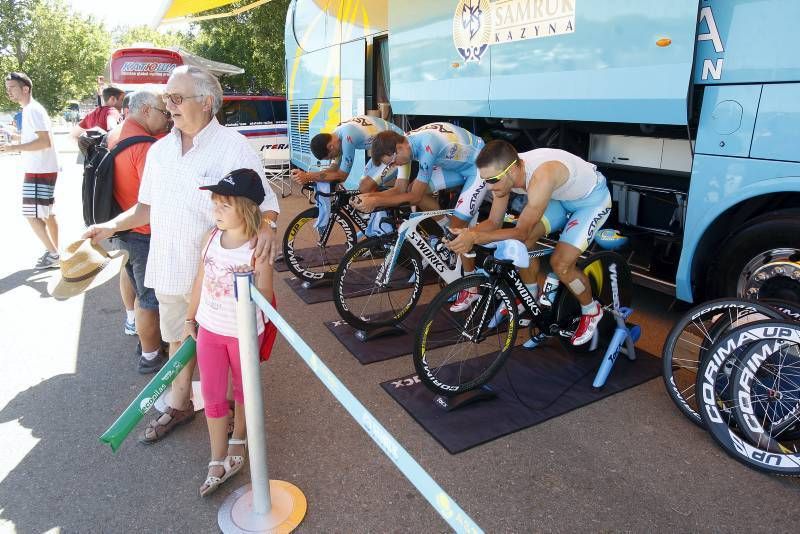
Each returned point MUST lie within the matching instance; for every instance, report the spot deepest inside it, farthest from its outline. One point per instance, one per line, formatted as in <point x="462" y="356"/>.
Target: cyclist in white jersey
<point x="340" y="147"/>
<point x="564" y="193"/>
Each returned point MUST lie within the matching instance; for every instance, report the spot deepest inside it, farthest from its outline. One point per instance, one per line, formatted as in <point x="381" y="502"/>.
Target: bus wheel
<point x="761" y="260"/>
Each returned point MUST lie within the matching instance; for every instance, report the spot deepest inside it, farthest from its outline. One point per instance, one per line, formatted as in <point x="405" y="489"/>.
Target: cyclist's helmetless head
<point x="391" y="149"/>
<point x="326" y="146"/>
<point x="499" y="166"/>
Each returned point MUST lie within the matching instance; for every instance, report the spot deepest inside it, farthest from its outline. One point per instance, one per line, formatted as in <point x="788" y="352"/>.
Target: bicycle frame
<point x="340" y="207"/>
<point x="408" y="232"/>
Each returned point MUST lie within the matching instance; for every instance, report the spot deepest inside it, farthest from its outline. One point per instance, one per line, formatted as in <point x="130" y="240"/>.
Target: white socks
<point x="150" y="356"/>
<point x="589" y="309"/>
<point x="131" y="315"/>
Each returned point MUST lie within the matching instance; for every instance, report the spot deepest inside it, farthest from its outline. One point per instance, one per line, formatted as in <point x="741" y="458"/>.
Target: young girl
<point x="212" y="316"/>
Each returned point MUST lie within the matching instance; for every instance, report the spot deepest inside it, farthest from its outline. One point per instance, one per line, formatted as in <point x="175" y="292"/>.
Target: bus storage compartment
<point x="655" y="209"/>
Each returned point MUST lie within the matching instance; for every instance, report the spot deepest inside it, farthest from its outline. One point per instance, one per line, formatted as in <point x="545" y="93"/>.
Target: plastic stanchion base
<point x="383" y="331"/>
<point x="237" y="515"/>
<point x="455" y="402"/>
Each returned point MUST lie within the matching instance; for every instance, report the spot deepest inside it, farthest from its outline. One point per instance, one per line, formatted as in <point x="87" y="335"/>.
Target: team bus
<point x="262" y="119"/>
<point x="690" y="108"/>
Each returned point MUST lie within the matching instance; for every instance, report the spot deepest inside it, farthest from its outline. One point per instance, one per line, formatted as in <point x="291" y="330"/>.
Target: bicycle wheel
<point x="767" y="393"/>
<point x="692" y="337"/>
<point x="718" y="403"/>
<point x="361" y="300"/>
<point x="455" y="352"/>
<point x="600" y="268"/>
<point x="305" y="257"/>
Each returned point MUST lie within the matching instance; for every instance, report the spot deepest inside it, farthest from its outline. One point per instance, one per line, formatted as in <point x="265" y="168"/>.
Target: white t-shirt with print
<point x="35" y="119"/>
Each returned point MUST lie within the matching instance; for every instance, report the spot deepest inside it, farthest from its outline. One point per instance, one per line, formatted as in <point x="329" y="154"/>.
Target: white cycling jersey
<point x="583" y="176"/>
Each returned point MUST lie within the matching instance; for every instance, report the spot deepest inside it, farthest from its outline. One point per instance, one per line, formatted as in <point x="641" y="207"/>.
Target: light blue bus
<point x="690" y="108"/>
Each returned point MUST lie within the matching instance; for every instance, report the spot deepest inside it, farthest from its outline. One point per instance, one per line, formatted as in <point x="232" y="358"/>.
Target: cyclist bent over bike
<point x="564" y="193"/>
<point x="340" y="147"/>
<point x="446" y="156"/>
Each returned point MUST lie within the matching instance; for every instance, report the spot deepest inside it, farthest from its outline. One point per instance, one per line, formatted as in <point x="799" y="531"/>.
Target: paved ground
<point x="629" y="463"/>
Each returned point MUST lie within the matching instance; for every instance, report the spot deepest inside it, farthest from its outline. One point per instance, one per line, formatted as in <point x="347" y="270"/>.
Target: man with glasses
<point x="564" y="193"/>
<point x="198" y="151"/>
<point x="40" y="165"/>
<point x="147" y="117"/>
<point x="446" y="154"/>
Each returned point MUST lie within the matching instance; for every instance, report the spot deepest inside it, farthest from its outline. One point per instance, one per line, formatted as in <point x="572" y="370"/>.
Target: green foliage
<point x="252" y="40"/>
<point x="126" y="36"/>
<point x="61" y="52"/>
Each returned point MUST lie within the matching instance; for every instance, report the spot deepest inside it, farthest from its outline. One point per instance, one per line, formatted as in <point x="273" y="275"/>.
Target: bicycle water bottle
<point x="549" y="291"/>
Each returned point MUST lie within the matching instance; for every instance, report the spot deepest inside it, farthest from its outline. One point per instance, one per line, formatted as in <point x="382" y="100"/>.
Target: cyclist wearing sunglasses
<point x="340" y="147"/>
<point x="564" y="193"/>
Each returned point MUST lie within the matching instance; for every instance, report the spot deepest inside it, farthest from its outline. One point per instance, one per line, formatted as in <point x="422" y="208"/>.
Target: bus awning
<point x="187" y="10"/>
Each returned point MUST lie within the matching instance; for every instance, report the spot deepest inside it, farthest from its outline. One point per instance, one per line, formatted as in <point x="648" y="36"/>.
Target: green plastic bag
<point x="117" y="432"/>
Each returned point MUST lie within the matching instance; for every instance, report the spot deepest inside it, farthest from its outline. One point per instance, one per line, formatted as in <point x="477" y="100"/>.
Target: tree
<point x="127" y="36"/>
<point x="61" y="52"/>
<point x="252" y="40"/>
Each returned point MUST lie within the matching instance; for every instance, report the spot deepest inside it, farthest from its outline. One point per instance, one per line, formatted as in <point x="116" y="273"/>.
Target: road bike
<point x="455" y="352"/>
<point x="314" y="254"/>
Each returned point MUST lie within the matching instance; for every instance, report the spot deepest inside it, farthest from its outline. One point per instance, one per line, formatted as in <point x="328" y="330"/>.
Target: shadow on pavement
<point x="71" y="480"/>
<point x="34" y="278"/>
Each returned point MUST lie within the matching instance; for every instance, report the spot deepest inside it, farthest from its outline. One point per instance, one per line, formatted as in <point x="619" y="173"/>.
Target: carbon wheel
<point x="738" y="354"/>
<point x="359" y="297"/>
<point x="693" y="336"/>
<point x="453" y="353"/>
<point x="305" y="256"/>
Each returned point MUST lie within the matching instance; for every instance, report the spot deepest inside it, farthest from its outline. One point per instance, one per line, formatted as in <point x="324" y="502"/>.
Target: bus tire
<point x="761" y="260"/>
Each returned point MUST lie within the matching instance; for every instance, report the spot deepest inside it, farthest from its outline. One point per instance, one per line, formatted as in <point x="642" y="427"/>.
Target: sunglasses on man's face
<point x="497" y="177"/>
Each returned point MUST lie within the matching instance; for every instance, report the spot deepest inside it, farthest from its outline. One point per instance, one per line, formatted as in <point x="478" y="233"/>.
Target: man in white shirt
<point x="40" y="165"/>
<point x="199" y="151"/>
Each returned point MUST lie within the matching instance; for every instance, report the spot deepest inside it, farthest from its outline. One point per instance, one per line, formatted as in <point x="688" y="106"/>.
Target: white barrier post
<point x="263" y="505"/>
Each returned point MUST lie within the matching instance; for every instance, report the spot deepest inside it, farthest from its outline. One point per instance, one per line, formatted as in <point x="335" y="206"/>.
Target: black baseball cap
<point x="240" y="183"/>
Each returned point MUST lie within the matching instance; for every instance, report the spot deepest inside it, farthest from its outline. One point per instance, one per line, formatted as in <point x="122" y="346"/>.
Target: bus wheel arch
<point x="760" y="258"/>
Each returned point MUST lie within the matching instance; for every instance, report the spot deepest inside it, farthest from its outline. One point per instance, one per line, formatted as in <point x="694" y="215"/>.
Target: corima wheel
<point x="305" y="255"/>
<point x="455" y="352"/>
<point x="721" y="365"/>
<point x="363" y="298"/>
<point x="693" y="336"/>
<point x="767" y="395"/>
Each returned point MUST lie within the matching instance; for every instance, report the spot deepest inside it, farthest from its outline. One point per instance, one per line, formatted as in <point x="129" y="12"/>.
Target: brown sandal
<point x="159" y="430"/>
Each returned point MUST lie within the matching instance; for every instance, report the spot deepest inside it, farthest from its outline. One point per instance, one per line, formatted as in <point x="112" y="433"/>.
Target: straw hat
<point x="84" y="266"/>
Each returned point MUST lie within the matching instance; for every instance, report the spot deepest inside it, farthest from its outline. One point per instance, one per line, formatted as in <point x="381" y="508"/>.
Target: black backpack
<point x="99" y="205"/>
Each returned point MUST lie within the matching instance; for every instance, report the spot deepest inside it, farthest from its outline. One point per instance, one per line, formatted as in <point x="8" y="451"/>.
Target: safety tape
<point x="441" y="501"/>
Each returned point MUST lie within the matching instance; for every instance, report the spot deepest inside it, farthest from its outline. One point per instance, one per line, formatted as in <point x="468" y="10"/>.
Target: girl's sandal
<point x="212" y="483"/>
<point x="235" y="462"/>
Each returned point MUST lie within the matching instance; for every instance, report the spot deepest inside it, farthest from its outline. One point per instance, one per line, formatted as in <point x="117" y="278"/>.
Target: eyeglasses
<point x="164" y="112"/>
<point x="496" y="178"/>
<point x="177" y="99"/>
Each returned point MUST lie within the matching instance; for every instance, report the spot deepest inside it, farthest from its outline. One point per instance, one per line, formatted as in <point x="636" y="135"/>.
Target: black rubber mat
<point x="381" y="348"/>
<point x="531" y="388"/>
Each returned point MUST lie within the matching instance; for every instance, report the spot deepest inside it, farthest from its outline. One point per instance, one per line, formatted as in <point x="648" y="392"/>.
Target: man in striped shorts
<point x="40" y="166"/>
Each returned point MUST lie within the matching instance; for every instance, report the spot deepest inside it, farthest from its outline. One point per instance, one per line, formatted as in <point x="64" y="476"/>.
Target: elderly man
<point x="40" y="166"/>
<point x="147" y="121"/>
<point x="198" y="151"/>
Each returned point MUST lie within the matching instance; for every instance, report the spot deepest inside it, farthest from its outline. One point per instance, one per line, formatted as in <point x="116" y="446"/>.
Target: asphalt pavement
<point x="628" y="463"/>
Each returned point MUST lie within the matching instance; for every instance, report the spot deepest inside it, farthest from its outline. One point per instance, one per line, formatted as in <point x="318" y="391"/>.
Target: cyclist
<point x="438" y="146"/>
<point x="565" y="193"/>
<point x="340" y="147"/>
